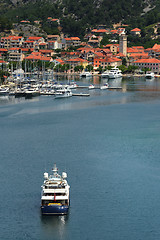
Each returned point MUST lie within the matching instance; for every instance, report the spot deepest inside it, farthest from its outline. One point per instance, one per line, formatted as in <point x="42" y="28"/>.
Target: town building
<point x="136" y="31"/>
<point x="152" y="63"/>
<point x="123" y="44"/>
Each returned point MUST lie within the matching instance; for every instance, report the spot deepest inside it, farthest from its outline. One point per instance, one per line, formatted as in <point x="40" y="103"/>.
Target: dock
<point x="47" y="94"/>
<point x="115" y="88"/>
<point x="80" y="94"/>
<point x="98" y="87"/>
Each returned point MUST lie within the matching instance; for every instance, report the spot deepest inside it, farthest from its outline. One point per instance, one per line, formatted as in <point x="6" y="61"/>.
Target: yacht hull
<point x="54" y="210"/>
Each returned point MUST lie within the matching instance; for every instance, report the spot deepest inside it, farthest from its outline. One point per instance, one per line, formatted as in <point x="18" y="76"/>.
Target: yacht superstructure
<point x="55" y="193"/>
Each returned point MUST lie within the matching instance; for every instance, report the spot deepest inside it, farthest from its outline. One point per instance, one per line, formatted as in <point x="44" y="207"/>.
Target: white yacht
<point x="72" y="85"/>
<point x="105" y="86"/>
<point x="55" y="193"/>
<point x="114" y="73"/>
<point x="63" y="93"/>
<point x="91" y="86"/>
<point x="85" y="74"/>
<point x="4" y="91"/>
<point x="32" y="92"/>
<point x="105" y="74"/>
<point x="149" y="75"/>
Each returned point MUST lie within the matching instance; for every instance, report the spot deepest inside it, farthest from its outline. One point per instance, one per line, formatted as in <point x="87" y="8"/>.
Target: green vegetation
<point x="76" y="17"/>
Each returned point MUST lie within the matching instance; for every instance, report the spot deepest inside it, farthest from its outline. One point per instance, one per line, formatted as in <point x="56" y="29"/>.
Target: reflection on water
<point x="115" y="83"/>
<point x="54" y="226"/>
<point x="127" y="89"/>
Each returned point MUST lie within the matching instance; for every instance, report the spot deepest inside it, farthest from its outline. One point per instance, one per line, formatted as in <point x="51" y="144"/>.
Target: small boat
<point x="105" y="86"/>
<point x="85" y="74"/>
<point x="149" y="75"/>
<point x="32" y="92"/>
<point x="55" y="193"/>
<point x="72" y="85"/>
<point x="19" y="92"/>
<point x="114" y="73"/>
<point x="105" y="74"/>
<point x="63" y="93"/>
<point x="91" y="86"/>
<point x="4" y="91"/>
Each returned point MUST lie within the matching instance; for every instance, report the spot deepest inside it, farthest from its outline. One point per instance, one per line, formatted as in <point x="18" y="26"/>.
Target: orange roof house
<point x="77" y="61"/>
<point x="155" y="51"/>
<point x="71" y="41"/>
<point x="152" y="63"/>
<point x="33" y="38"/>
<point x="109" y="61"/>
<point x="46" y="52"/>
<point x="3" y="50"/>
<point x="135" y="49"/>
<point x="156" y="47"/>
<point x="58" y="61"/>
<point x="112" y="47"/>
<point x="136" y="31"/>
<point x="38" y="56"/>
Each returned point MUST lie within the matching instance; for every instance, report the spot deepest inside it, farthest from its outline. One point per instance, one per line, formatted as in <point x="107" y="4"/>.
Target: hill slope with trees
<point x="78" y="16"/>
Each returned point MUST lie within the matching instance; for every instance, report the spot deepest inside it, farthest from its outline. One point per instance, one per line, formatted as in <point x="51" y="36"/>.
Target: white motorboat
<point x="32" y="92"/>
<point x="105" y="86"/>
<point x="105" y="74"/>
<point x="4" y="91"/>
<point x="19" y="92"/>
<point x="91" y="86"/>
<point x="63" y="93"/>
<point x="149" y="75"/>
<point x="55" y="194"/>
<point x="72" y="85"/>
<point x="85" y="74"/>
<point x="114" y="73"/>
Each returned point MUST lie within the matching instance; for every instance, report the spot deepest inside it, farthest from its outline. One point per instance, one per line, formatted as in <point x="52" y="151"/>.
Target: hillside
<point x="76" y="16"/>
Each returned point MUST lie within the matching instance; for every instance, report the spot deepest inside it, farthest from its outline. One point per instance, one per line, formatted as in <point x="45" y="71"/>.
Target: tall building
<point x="123" y="44"/>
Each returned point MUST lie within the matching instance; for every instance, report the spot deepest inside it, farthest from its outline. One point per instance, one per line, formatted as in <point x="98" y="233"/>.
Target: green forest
<point x="78" y="17"/>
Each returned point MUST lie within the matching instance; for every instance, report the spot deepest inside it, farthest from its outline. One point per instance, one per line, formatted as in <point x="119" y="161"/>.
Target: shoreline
<point x="99" y="74"/>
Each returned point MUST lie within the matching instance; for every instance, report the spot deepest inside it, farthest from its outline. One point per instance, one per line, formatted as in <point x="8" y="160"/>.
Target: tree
<point x="100" y="69"/>
<point x="131" y="68"/>
<point x="78" y="68"/>
<point x="89" y="68"/>
<point x="145" y="69"/>
<point x="123" y="68"/>
<point x="158" y="31"/>
<point x="124" y="61"/>
<point x="105" y="40"/>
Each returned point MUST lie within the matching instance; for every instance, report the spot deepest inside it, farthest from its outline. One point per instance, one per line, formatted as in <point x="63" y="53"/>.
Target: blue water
<point x="109" y="144"/>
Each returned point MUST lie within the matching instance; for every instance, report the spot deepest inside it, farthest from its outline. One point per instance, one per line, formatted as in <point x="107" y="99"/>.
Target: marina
<point x="107" y="143"/>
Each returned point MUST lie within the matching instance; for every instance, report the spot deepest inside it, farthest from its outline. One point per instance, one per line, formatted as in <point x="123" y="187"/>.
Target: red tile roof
<point x="150" y="60"/>
<point x="156" y="46"/>
<point x="59" y="60"/>
<point x="54" y="20"/>
<point x="75" y="38"/>
<point x="114" y="31"/>
<point x="34" y="38"/>
<point x="45" y="51"/>
<point x="136" y="30"/>
<point x="38" y="57"/>
<point x="3" y="50"/>
<point x="139" y="55"/>
<point x="26" y="49"/>
<point x="12" y="49"/>
<point x="77" y="60"/>
<point x="113" y="59"/>
<point x="2" y="61"/>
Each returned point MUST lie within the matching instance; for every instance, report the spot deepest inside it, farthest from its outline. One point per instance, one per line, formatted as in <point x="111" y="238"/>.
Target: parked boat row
<point x="29" y="89"/>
